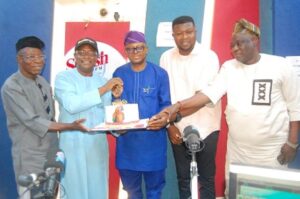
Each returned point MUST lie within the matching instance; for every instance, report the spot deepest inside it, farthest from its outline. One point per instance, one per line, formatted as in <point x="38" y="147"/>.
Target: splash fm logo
<point x="102" y="60"/>
<point x="101" y="63"/>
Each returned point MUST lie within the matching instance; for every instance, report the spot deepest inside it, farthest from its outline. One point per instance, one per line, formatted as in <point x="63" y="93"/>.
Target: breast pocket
<point x="149" y="101"/>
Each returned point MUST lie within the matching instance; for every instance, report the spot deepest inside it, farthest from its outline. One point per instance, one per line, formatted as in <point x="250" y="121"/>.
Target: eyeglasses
<point x="137" y="49"/>
<point x="239" y="43"/>
<point x="83" y="53"/>
<point x="32" y="58"/>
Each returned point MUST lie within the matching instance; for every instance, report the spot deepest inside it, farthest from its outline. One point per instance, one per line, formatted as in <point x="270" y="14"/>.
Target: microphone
<point x="53" y="167"/>
<point x="192" y="139"/>
<point x="33" y="178"/>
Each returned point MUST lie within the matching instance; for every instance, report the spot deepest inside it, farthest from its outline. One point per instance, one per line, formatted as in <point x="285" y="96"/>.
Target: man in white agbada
<point x="263" y="103"/>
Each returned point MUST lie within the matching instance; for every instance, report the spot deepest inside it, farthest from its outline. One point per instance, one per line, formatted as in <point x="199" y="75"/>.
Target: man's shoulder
<point x="123" y="67"/>
<point x="271" y="57"/>
<point x="122" y="70"/>
<point x="169" y="52"/>
<point x="204" y="50"/>
<point x="12" y="80"/>
<point x="230" y="63"/>
<point x="65" y="73"/>
<point x="155" y="66"/>
<point x="15" y="82"/>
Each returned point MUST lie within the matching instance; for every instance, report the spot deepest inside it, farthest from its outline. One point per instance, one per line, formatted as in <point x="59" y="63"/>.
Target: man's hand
<point x="287" y="154"/>
<point x="117" y="91"/>
<point x="174" y="135"/>
<point x="77" y="125"/>
<point x="159" y="120"/>
<point x="164" y="117"/>
<point x="113" y="82"/>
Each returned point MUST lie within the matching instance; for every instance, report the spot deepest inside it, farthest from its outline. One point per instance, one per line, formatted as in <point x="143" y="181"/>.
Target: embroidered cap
<point x="244" y="25"/>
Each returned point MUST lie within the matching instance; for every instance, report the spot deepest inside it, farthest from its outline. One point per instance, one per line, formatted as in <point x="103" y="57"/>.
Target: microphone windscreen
<point x="191" y="137"/>
<point x="190" y="130"/>
<point x="26" y="180"/>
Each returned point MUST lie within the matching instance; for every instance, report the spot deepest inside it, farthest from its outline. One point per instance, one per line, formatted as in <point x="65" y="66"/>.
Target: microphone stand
<point x="194" y="144"/>
<point x="194" y="176"/>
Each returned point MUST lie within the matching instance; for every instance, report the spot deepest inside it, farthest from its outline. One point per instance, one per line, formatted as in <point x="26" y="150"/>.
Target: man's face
<point x="31" y="61"/>
<point x="85" y="59"/>
<point x="244" y="47"/>
<point x="185" y="37"/>
<point x="136" y="52"/>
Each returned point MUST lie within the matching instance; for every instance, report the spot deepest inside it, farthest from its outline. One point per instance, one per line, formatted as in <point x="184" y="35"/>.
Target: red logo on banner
<point x="109" y="37"/>
<point x="102" y="60"/>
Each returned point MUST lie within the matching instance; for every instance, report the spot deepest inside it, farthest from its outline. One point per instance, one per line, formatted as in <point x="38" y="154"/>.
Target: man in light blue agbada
<point x="81" y="93"/>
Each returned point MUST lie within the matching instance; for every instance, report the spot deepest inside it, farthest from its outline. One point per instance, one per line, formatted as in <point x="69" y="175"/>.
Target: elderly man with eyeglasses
<point x="142" y="153"/>
<point x="29" y="108"/>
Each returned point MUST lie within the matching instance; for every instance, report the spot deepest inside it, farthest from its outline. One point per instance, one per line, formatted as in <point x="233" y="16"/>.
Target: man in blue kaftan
<point x="142" y="153"/>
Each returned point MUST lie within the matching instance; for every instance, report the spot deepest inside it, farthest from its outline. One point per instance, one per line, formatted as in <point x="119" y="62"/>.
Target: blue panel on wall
<point x="19" y="19"/>
<point x="266" y="26"/>
<point x="287" y="36"/>
<point x="286" y="27"/>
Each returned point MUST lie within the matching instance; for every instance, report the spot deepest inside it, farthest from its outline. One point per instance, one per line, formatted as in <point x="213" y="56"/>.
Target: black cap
<point x="88" y="41"/>
<point x="29" y="41"/>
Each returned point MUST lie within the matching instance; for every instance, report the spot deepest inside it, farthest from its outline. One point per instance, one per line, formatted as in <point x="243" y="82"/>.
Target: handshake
<point x="167" y="115"/>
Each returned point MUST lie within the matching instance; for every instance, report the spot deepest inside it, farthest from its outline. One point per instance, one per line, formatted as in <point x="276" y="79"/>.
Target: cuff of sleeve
<point x="294" y="146"/>
<point x="210" y="95"/>
<point x="169" y="124"/>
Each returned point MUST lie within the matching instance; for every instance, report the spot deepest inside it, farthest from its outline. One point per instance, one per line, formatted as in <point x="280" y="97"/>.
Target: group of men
<point x="262" y="93"/>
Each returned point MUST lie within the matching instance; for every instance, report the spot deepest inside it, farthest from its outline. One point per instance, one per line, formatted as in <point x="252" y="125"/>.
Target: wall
<point x="286" y="36"/>
<point x="280" y="35"/>
<point x="286" y="23"/>
<point x="266" y="24"/>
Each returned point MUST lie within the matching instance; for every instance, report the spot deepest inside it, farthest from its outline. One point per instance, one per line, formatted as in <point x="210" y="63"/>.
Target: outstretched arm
<point x="193" y="104"/>
<point x="76" y="125"/>
<point x="185" y="107"/>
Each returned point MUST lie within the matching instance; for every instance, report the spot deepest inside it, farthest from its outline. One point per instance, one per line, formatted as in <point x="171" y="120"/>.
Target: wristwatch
<point x="178" y="117"/>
